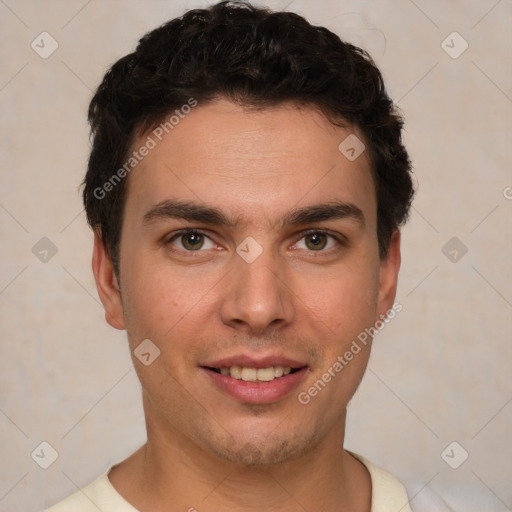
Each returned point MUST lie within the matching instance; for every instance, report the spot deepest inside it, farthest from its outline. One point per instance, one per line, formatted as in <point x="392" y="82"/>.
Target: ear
<point x="106" y="283"/>
<point x="389" y="268"/>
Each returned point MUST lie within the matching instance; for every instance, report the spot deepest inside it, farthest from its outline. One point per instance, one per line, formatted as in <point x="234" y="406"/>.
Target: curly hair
<point x="254" y="57"/>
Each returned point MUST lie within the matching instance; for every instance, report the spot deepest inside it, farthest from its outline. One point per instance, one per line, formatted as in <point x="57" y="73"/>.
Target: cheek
<point x="158" y="308"/>
<point x="347" y="309"/>
<point x="163" y="302"/>
<point x="345" y="300"/>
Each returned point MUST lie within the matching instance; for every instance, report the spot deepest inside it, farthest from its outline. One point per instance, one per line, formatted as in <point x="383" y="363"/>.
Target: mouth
<point x="256" y="381"/>
<point x="248" y="374"/>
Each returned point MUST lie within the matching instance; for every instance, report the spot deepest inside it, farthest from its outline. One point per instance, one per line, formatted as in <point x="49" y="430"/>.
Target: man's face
<point x="281" y="269"/>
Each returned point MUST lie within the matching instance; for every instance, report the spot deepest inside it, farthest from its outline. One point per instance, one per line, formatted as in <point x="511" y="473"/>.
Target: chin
<point x="264" y="451"/>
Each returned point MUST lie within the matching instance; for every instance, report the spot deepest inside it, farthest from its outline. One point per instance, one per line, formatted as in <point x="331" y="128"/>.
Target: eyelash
<point x="340" y="240"/>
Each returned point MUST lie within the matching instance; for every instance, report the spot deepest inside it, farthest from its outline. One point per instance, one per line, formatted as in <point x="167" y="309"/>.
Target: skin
<point x="205" y="449"/>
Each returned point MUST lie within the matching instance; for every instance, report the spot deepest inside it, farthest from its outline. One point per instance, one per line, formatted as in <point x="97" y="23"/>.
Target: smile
<point x="255" y="374"/>
<point x="262" y="385"/>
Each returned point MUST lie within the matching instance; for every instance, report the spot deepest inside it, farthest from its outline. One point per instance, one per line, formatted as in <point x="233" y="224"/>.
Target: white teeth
<point x="266" y="374"/>
<point x="256" y="374"/>
<point x="235" y="372"/>
<point x="249" y="374"/>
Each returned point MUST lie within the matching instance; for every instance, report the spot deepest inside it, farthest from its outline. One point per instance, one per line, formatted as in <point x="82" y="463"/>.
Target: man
<point x="246" y="187"/>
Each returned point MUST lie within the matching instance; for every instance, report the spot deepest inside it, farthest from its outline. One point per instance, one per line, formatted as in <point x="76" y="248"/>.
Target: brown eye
<point x="320" y="241"/>
<point x="191" y="241"/>
<point x="316" y="241"/>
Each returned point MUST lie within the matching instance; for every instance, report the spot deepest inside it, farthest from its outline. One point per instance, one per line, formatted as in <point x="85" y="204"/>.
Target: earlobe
<point x="389" y="268"/>
<point x="107" y="283"/>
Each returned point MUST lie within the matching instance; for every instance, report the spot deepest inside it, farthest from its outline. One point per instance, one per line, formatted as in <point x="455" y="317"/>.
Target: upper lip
<point x="248" y="361"/>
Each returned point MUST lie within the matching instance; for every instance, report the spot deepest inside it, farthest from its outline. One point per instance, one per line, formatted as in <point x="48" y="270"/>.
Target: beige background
<point x="440" y="372"/>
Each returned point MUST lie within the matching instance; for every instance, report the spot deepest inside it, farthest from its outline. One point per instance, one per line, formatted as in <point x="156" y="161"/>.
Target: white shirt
<point x="388" y="495"/>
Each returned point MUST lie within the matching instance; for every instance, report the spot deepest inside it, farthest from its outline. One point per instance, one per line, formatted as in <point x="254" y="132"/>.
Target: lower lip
<point x="258" y="392"/>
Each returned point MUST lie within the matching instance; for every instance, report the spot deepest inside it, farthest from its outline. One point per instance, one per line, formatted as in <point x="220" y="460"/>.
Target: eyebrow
<point x="195" y="212"/>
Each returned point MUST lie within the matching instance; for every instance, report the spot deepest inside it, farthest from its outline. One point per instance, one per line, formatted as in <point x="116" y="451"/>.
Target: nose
<point x="257" y="298"/>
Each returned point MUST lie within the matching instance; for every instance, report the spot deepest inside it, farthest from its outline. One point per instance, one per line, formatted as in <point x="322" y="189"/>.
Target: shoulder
<point x="98" y="495"/>
<point x="388" y="493"/>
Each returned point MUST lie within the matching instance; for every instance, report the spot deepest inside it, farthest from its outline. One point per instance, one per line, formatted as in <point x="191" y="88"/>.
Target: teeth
<point x="256" y="374"/>
<point x="265" y="374"/>
<point x="249" y="374"/>
<point x="235" y="372"/>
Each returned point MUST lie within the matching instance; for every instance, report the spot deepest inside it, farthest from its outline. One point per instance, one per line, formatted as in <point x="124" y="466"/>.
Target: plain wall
<point x="440" y="372"/>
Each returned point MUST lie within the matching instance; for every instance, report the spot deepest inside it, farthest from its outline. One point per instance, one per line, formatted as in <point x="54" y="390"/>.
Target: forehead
<point x="249" y="162"/>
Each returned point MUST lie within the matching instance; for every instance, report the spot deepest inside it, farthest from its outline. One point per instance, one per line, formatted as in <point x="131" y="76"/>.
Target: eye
<point x="191" y="240"/>
<point x="318" y="241"/>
